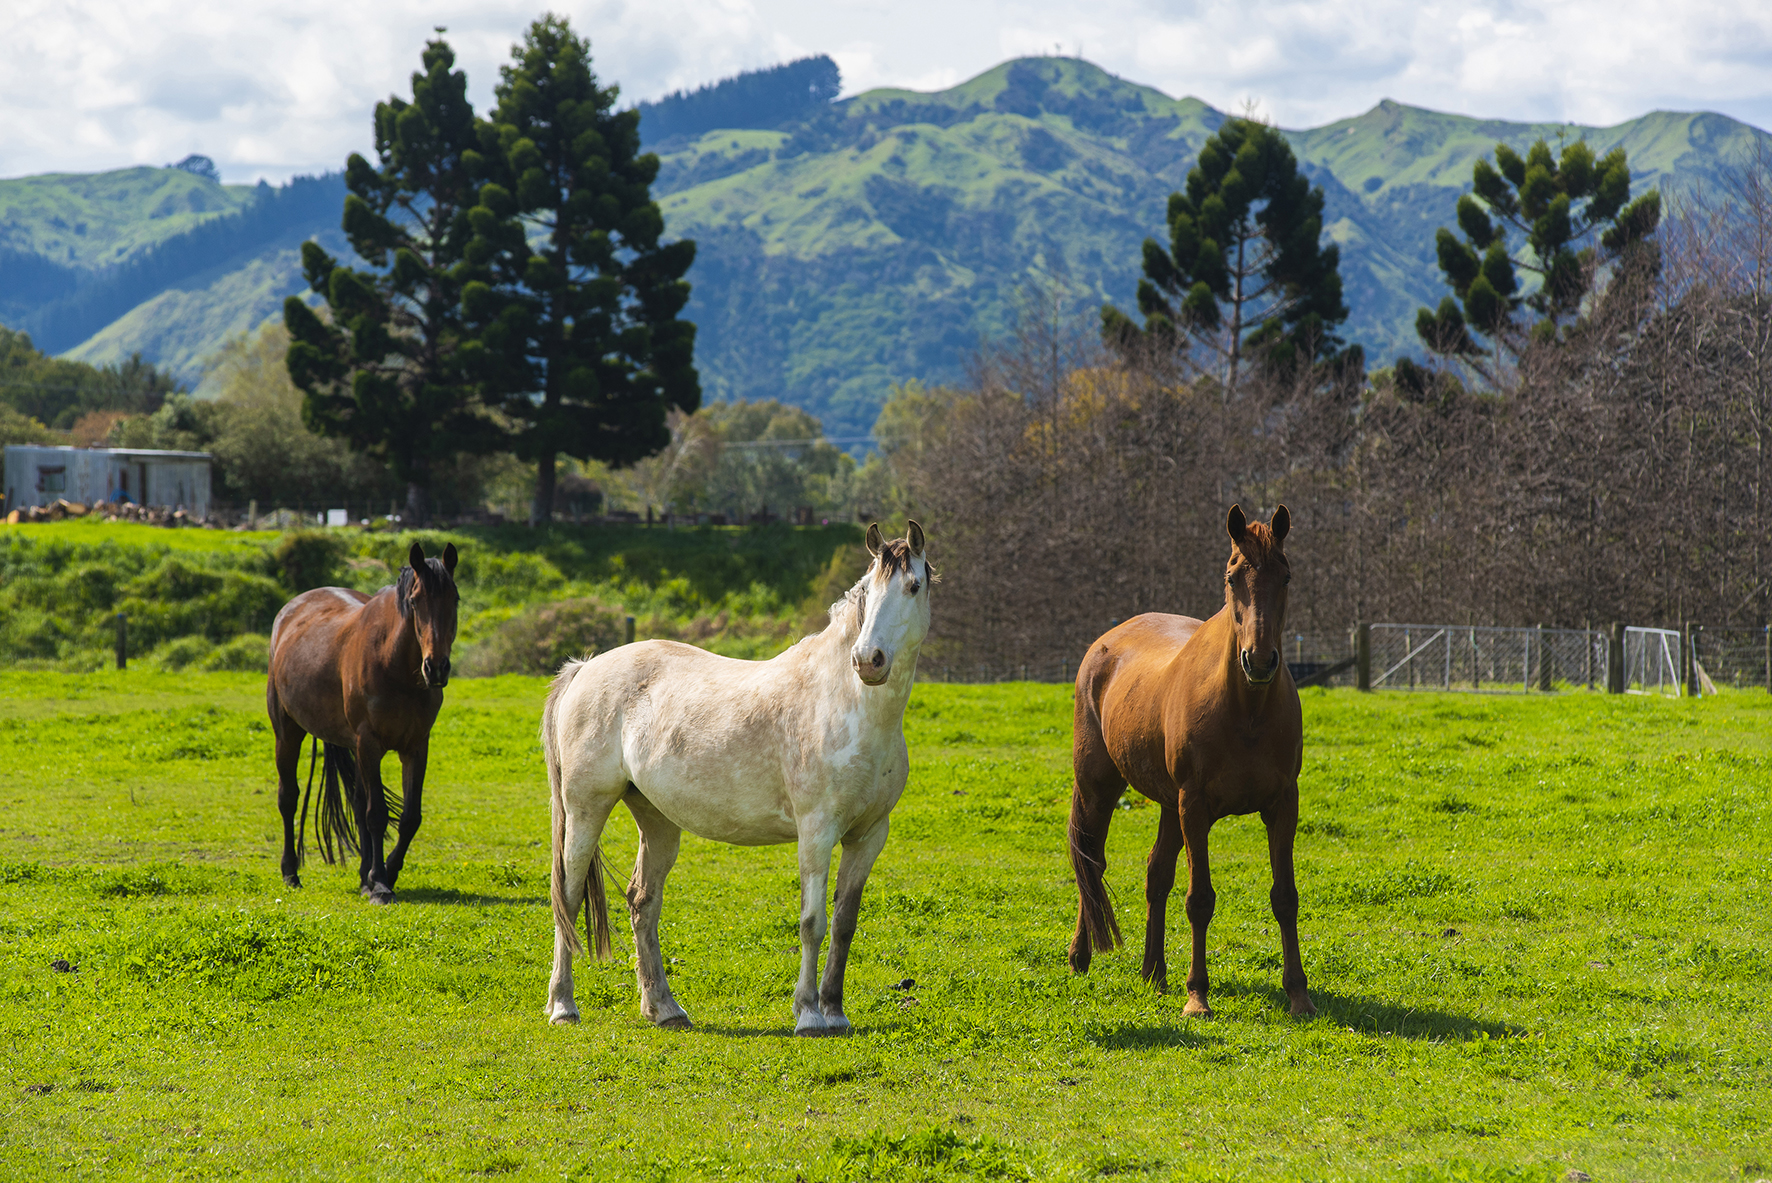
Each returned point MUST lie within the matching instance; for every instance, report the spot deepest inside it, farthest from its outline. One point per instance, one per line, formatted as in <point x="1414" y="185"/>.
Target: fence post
<point x="1688" y="661"/>
<point x="630" y="639"/>
<point x="1615" y="659"/>
<point x="1768" y="632"/>
<point x="1544" y="667"/>
<point x="1363" y="655"/>
<point x="122" y="641"/>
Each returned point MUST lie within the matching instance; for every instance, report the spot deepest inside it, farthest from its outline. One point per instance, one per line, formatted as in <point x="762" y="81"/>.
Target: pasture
<point x="1535" y="929"/>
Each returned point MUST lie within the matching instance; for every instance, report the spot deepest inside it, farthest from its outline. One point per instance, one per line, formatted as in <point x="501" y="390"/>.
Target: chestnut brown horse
<point x="364" y="676"/>
<point x="1201" y="717"/>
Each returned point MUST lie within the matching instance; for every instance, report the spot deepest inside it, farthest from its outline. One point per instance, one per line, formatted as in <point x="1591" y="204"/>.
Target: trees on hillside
<point x="1527" y="214"/>
<point x="388" y="367"/>
<point x="1245" y="273"/>
<point x="579" y="313"/>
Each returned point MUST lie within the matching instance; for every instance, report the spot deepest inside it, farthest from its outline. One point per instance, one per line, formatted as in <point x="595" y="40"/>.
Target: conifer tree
<point x="578" y="320"/>
<point x="1524" y="217"/>
<point x="1245" y="272"/>
<point x="387" y="369"/>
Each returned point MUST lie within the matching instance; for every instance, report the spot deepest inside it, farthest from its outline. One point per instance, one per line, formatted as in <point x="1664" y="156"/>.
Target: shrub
<point x="540" y="639"/>
<point x="309" y="558"/>
<point x="247" y="654"/>
<point x="182" y="652"/>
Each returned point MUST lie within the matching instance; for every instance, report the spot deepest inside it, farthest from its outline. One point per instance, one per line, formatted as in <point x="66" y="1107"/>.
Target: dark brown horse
<point x="364" y="676"/>
<point x="1201" y="717"/>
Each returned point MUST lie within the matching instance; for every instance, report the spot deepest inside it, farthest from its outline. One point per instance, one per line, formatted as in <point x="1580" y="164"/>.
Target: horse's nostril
<point x="879" y="659"/>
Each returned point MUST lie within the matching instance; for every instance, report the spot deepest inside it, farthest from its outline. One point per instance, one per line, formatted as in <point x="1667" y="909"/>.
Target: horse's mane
<point x="434" y="576"/>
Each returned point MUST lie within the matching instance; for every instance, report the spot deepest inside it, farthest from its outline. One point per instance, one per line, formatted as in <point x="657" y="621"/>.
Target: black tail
<point x="1088" y="843"/>
<point x="336" y="820"/>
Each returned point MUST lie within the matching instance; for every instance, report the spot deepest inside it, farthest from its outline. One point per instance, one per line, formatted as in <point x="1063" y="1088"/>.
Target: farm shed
<point x="39" y="475"/>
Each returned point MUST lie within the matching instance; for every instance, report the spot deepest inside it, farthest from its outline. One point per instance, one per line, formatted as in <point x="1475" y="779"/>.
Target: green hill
<point x="879" y="239"/>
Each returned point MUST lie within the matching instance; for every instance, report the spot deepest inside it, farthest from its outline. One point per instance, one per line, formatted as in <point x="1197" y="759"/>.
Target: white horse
<point x="807" y="747"/>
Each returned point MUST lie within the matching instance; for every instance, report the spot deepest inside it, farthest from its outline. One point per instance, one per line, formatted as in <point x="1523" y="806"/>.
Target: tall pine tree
<point x="1245" y="272"/>
<point x="387" y="370"/>
<point x="580" y="319"/>
<point x="1536" y="228"/>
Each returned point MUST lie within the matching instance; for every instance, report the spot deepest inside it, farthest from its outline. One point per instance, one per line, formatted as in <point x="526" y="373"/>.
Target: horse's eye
<point x="915" y="588"/>
<point x="1288" y="578"/>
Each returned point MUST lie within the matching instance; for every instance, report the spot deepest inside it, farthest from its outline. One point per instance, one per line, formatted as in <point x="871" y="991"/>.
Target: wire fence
<point x="1736" y="658"/>
<point x="1483" y="659"/>
<point x="1462" y="657"/>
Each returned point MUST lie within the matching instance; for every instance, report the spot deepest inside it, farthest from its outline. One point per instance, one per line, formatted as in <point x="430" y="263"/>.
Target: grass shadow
<point x="1146" y="1036"/>
<point x="455" y="896"/>
<point x="1375" y="1016"/>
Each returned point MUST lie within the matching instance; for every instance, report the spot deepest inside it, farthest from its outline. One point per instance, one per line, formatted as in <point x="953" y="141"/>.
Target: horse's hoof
<point x="836" y="1025"/>
<point x="379" y="895"/>
<point x="811" y="1024"/>
<point x="564" y="1018"/>
<point x="1196" y="1008"/>
<point x="1303" y="1007"/>
<point x="292" y="881"/>
<point x="676" y="1023"/>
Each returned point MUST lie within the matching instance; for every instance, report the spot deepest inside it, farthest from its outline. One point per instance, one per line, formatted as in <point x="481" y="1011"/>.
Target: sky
<point x="270" y="91"/>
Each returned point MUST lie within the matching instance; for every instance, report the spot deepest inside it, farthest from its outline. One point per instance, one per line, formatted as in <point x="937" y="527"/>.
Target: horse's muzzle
<point x="872" y="668"/>
<point x="436" y="672"/>
<point x="1259" y="678"/>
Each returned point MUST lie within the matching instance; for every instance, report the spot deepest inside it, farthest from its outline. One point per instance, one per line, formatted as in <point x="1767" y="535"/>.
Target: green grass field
<point x="1535" y="928"/>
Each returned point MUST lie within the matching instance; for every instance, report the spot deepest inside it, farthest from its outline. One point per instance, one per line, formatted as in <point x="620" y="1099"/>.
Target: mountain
<point x="856" y="244"/>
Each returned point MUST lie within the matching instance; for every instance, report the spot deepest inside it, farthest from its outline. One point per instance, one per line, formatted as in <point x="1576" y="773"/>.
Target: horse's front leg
<point x="815" y="872"/>
<point x="372" y="819"/>
<point x="1159" y="881"/>
<point x="1201" y="901"/>
<point x="859" y="853"/>
<point x="1282" y="824"/>
<point x="412" y="791"/>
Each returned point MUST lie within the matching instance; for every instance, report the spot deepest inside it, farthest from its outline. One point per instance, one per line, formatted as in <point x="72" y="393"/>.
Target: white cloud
<point x="273" y="90"/>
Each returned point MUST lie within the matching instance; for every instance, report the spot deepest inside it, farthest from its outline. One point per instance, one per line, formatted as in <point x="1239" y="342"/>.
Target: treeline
<point x="61" y="307"/>
<point x="758" y="98"/>
<point x="1616" y="472"/>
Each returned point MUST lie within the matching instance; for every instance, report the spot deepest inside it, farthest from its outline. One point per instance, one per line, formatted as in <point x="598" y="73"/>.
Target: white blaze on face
<point x="893" y="617"/>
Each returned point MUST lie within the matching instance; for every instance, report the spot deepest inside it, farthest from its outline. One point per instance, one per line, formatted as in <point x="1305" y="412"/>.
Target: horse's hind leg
<point x="659" y="842"/>
<point x="578" y="832"/>
<point x="1282" y="824"/>
<point x="1159" y="881"/>
<point x="289" y="737"/>
<point x="859" y="853"/>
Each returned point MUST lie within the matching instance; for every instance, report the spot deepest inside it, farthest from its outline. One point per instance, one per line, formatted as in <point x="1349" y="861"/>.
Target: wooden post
<point x="1768" y="632"/>
<point x="1363" y="656"/>
<point x="122" y="641"/>
<point x="630" y="639"/>
<point x="1615" y="659"/>
<point x="1688" y="661"/>
<point x="1544" y="665"/>
<point x="252" y="514"/>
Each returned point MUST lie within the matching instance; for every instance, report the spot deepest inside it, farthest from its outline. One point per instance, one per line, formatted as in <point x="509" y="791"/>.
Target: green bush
<point x="246" y="654"/>
<point x="181" y="653"/>
<point x="310" y="558"/>
<point x="540" y="639"/>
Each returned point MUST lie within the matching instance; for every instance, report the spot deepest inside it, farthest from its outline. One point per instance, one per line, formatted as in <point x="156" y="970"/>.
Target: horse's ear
<point x="914" y="537"/>
<point x="449" y="555"/>
<point x="1282" y="522"/>
<point x="415" y="558"/>
<point x="1236" y="524"/>
<point x="875" y="542"/>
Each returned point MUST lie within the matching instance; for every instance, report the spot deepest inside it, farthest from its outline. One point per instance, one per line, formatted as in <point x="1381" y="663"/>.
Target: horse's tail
<point x="1095" y="910"/>
<point x="337" y="820"/>
<point x="565" y="922"/>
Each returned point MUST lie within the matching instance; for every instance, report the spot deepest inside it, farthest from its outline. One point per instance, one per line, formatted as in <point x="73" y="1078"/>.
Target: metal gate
<point x="1462" y="657"/>
<point x="1652" y="662"/>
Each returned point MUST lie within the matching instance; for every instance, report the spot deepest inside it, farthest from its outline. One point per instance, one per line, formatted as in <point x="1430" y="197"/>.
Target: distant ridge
<point x="757" y="98"/>
<point x="855" y="244"/>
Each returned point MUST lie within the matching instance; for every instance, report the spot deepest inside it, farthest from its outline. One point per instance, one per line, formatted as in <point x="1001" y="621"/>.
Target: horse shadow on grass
<point x="1379" y="1016"/>
<point x="458" y="898"/>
